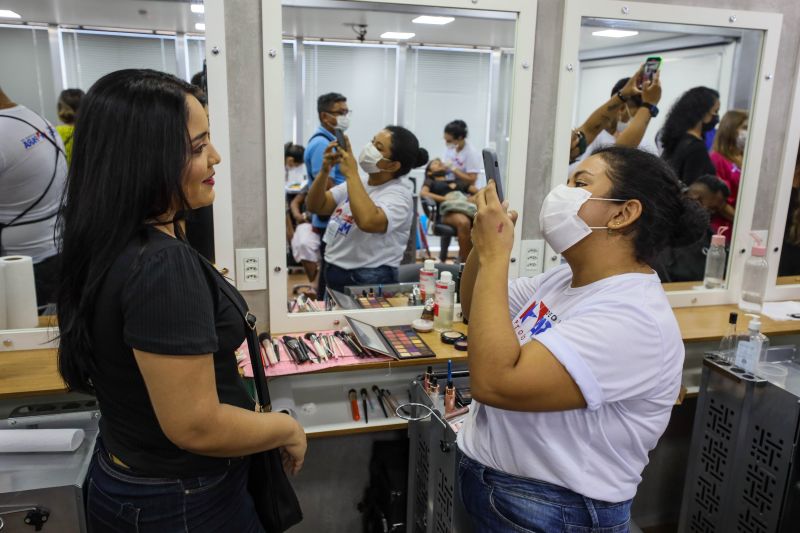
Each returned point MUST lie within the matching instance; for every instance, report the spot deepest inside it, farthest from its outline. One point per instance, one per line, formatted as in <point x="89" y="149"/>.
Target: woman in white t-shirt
<point x="463" y="161"/>
<point x="370" y="219"/>
<point x="560" y="428"/>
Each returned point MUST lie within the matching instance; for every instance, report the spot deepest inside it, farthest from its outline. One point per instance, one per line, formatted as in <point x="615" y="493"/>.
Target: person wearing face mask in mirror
<point x="688" y="263"/>
<point x="633" y="117"/>
<point x="694" y="114"/>
<point x="370" y="219"/>
<point x="333" y="114"/>
<point x="727" y="156"/>
<point x="576" y="386"/>
<point x="463" y="161"/>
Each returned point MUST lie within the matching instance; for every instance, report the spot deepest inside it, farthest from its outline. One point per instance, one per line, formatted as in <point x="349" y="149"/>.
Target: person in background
<point x="789" y="264"/>
<point x="436" y="187"/>
<point x="333" y="114"/>
<point x="463" y="161"/>
<point x="681" y="137"/>
<point x="295" y="181"/>
<point x="33" y="172"/>
<point x="304" y="238"/>
<point x="148" y="327"/>
<point x="688" y="263"/>
<point x="571" y="391"/>
<point x="371" y="219"/>
<point x="727" y="157"/>
<point x="633" y="117"/>
<point x="69" y="101"/>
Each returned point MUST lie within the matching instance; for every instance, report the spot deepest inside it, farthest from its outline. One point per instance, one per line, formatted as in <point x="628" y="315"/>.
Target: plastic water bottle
<point x="427" y="280"/>
<point x="754" y="283"/>
<point x="716" y="260"/>
<point x="444" y="302"/>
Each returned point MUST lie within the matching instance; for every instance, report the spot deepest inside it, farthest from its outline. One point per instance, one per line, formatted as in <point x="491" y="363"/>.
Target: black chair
<point x="443" y="231"/>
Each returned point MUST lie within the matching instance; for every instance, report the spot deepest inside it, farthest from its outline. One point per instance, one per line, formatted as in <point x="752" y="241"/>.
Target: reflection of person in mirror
<point x="617" y="109"/>
<point x="565" y="414"/>
<point x="462" y="161"/>
<point x="33" y="172"/>
<point x="148" y="326"/>
<point x="436" y="188"/>
<point x="688" y="263"/>
<point x="633" y="116"/>
<point x="372" y="218"/>
<point x="790" y="254"/>
<point x="682" y="137"/>
<point x="69" y="102"/>
<point x="727" y="156"/>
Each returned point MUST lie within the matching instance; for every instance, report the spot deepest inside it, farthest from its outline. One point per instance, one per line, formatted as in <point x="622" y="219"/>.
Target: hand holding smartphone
<point x="339" y="133"/>
<point x="492" y="168"/>
<point x="651" y="66"/>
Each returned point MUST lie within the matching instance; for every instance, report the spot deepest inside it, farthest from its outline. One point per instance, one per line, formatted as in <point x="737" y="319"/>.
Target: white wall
<point x="681" y="70"/>
<point x="27" y="76"/>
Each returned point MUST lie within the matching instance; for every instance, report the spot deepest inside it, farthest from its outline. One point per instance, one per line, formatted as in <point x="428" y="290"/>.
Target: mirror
<point x="444" y="74"/>
<point x="724" y="62"/>
<point x="789" y="265"/>
<point x="33" y="168"/>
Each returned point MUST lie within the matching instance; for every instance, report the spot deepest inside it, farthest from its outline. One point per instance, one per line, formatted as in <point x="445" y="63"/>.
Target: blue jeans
<point x="338" y="278"/>
<point x="497" y="501"/>
<point x="121" y="501"/>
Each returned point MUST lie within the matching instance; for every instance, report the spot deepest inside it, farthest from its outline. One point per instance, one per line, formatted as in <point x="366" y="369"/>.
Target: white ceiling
<point x="591" y="42"/>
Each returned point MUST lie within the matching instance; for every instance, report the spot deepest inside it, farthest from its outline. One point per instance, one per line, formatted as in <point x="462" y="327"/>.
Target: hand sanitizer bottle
<point x="749" y="352"/>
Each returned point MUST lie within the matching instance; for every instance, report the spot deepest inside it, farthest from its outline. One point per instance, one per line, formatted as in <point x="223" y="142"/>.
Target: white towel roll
<point x="40" y="440"/>
<point x="21" y="311"/>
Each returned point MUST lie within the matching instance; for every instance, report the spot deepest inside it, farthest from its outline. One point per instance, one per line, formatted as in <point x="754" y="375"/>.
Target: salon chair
<point x="445" y="232"/>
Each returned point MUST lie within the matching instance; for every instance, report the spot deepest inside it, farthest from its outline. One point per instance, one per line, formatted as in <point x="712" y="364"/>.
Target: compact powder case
<point x="451" y="337"/>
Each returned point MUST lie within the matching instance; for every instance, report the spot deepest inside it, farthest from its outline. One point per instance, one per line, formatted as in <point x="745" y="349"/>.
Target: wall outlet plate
<point x="251" y="269"/>
<point x="531" y="258"/>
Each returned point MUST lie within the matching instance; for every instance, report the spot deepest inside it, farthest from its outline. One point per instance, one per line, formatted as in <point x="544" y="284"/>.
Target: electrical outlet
<point x="251" y="269"/>
<point x="531" y="257"/>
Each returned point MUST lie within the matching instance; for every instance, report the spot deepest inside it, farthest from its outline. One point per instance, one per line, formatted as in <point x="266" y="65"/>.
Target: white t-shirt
<point x="468" y="160"/>
<point x="27" y="161"/>
<point x="348" y="247"/>
<point x="620" y="342"/>
<point x="606" y="139"/>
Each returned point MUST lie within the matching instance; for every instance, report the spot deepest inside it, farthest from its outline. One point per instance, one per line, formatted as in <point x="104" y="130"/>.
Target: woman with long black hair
<point x="683" y="146"/>
<point x="146" y="325"/>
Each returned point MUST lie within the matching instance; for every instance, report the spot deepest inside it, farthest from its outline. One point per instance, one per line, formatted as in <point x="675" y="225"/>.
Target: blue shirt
<point x="315" y="150"/>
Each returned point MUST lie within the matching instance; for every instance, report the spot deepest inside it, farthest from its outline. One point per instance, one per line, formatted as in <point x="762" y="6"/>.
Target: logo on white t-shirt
<point x="534" y="319"/>
<point x="344" y="221"/>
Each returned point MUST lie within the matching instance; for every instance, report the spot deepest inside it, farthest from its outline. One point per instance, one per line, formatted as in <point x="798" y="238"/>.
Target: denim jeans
<point x="121" y="501"/>
<point x="338" y="278"/>
<point x="497" y="501"/>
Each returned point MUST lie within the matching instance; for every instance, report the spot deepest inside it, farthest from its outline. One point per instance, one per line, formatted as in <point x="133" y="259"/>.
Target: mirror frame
<point x="770" y="23"/>
<point x="780" y="206"/>
<point x="43" y="338"/>
<point x="280" y="319"/>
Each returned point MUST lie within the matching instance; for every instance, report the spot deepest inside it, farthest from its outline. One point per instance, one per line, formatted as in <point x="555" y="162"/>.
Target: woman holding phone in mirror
<point x="151" y="329"/>
<point x="727" y="155"/>
<point x="574" y="389"/>
<point x="682" y="137"/>
<point x="370" y="219"/>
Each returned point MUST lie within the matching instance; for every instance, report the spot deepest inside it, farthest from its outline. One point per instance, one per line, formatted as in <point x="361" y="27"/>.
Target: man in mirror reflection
<point x="623" y="120"/>
<point x="33" y="171"/>
<point x="333" y="114"/>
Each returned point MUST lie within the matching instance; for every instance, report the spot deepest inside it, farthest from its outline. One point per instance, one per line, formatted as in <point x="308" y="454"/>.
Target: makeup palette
<point x="373" y="302"/>
<point x="400" y="342"/>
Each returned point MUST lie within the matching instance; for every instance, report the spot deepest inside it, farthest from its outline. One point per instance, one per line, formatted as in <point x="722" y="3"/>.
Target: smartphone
<point x="651" y="66"/>
<point x="492" y="169"/>
<point x="340" y="138"/>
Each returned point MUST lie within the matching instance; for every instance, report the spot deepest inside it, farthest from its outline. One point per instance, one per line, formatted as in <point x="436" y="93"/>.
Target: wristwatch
<point x="652" y="108"/>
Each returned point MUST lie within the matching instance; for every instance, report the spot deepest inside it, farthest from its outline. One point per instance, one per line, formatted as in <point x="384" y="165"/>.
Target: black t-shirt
<point x="690" y="159"/>
<point x="159" y="297"/>
<point x="442" y="187"/>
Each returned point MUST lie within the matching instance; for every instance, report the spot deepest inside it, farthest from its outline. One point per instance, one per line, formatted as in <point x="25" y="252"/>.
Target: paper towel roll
<point x="3" y="314"/>
<point x="40" y="440"/>
<point x="21" y="312"/>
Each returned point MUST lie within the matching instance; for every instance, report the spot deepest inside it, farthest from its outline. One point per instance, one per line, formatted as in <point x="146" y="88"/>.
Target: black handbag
<point x="274" y="497"/>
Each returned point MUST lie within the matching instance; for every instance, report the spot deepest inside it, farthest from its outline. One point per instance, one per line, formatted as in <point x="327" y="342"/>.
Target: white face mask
<point x="451" y="146"/>
<point x="741" y="140"/>
<point x="622" y="125"/>
<point x="343" y="122"/>
<point x="296" y="174"/>
<point x="559" y="220"/>
<point x="368" y="159"/>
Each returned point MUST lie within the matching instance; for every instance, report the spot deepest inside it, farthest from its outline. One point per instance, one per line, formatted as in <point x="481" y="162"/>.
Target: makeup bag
<point x="274" y="497"/>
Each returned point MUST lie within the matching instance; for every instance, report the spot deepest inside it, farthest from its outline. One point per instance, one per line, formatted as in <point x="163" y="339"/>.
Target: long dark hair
<point x="668" y="217"/>
<point x="131" y="148"/>
<point x="690" y="109"/>
<point x="406" y="150"/>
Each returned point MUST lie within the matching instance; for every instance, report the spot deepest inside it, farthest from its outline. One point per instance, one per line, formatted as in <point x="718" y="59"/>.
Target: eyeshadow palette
<point x="400" y="342"/>
<point x="373" y="302"/>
